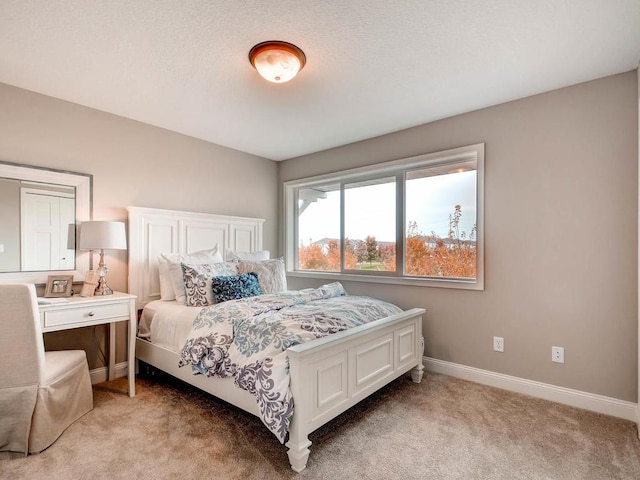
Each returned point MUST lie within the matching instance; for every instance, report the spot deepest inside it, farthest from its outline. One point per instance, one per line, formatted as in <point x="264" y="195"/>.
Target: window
<point x="370" y="224"/>
<point x="412" y="221"/>
<point x="318" y="241"/>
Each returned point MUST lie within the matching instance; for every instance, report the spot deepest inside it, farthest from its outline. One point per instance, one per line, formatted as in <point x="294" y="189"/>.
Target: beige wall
<point x="561" y="216"/>
<point x="638" y="407"/>
<point x="133" y="164"/>
<point x="10" y="225"/>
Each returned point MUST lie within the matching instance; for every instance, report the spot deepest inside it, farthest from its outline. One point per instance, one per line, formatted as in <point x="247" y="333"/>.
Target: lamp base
<point x="102" y="288"/>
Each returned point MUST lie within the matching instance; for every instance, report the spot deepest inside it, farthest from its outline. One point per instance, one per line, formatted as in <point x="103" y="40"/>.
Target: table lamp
<point x="102" y="235"/>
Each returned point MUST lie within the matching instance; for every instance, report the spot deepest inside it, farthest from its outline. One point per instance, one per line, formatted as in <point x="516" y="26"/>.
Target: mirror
<point x="40" y="210"/>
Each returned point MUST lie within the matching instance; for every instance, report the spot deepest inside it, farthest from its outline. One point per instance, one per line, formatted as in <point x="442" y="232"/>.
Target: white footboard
<point x="332" y="374"/>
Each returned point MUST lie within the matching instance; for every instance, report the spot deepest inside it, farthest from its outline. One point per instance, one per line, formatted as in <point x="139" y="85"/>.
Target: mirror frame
<point x="83" y="183"/>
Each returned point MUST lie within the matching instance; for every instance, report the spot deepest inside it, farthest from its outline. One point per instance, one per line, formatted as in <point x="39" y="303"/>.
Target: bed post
<point x="416" y="373"/>
<point x="418" y="370"/>
<point x="301" y="388"/>
<point x="298" y="445"/>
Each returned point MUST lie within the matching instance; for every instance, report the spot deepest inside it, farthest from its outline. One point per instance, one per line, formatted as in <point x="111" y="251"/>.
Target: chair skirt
<point x="63" y="397"/>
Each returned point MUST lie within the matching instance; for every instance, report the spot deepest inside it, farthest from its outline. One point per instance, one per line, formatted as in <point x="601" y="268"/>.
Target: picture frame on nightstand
<point x="90" y="284"/>
<point x="58" y="286"/>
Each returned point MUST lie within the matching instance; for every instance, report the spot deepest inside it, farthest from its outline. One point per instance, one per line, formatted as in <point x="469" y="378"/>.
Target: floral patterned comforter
<point x="247" y="338"/>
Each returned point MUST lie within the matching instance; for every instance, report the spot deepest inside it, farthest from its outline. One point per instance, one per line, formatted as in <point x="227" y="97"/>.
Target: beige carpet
<point x="443" y="428"/>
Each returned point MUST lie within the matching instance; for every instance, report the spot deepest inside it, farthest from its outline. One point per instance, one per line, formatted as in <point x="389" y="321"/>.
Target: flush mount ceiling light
<point x="277" y="61"/>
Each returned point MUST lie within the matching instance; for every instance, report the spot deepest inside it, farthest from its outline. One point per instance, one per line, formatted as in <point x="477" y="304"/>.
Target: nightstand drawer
<point x="85" y="314"/>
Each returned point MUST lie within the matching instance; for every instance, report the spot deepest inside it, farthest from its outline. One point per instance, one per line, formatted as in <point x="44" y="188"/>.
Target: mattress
<point x="167" y="323"/>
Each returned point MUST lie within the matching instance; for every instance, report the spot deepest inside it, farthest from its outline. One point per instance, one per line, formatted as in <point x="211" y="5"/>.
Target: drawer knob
<point x="91" y="314"/>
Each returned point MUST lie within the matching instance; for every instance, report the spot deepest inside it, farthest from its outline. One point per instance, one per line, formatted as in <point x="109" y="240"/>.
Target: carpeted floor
<point x="443" y="428"/>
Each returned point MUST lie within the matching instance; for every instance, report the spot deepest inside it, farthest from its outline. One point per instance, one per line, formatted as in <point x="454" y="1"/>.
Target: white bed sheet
<point x="167" y="323"/>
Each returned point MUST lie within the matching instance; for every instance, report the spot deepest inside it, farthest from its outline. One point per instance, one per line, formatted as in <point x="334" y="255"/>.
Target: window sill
<point x="411" y="281"/>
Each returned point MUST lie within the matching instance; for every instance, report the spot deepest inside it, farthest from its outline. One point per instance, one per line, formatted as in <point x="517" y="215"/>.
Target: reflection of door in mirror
<point x="47" y="228"/>
<point x="50" y="241"/>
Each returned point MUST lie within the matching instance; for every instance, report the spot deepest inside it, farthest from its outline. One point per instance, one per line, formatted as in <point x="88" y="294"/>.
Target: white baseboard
<point x="566" y="396"/>
<point x="99" y="375"/>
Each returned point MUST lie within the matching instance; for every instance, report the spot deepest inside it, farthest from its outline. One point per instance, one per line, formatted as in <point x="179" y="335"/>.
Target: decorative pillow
<point x="271" y="274"/>
<point x="233" y="287"/>
<point x="197" y="281"/>
<point x="170" y="272"/>
<point x="334" y="289"/>
<point x="248" y="256"/>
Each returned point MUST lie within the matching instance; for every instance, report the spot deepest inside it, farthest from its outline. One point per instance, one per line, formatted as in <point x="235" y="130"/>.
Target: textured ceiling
<point x="373" y="66"/>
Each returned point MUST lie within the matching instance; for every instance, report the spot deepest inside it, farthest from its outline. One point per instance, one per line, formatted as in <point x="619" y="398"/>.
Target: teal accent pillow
<point x="232" y="287"/>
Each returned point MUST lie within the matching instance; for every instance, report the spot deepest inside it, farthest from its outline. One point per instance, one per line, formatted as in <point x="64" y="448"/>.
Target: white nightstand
<point x="88" y="311"/>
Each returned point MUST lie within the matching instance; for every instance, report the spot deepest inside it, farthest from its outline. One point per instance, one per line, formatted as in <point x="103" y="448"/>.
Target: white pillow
<point x="166" y="287"/>
<point x="271" y="274"/>
<point x="198" y="281"/>
<point x="258" y="256"/>
<point x="170" y="271"/>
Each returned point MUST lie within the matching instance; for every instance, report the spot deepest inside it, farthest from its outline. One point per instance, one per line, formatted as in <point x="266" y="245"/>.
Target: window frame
<point x="397" y="168"/>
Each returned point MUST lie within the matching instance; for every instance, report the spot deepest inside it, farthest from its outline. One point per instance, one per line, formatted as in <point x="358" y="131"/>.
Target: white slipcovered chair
<point x="41" y="393"/>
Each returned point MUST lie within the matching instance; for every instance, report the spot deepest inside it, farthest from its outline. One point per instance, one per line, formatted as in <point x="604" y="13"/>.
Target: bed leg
<point x="298" y="453"/>
<point x="416" y="373"/>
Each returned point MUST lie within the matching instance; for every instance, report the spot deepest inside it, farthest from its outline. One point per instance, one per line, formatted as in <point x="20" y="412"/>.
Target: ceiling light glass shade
<point x="277" y="61"/>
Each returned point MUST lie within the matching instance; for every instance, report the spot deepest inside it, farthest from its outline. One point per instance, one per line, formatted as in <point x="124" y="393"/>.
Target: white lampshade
<point x="96" y="235"/>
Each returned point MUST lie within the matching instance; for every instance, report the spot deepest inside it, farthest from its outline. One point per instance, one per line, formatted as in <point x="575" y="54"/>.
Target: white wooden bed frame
<point x="328" y="375"/>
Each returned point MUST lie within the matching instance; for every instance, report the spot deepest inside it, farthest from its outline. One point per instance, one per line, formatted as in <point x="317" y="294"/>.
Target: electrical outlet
<point x="498" y="344"/>
<point x="557" y="354"/>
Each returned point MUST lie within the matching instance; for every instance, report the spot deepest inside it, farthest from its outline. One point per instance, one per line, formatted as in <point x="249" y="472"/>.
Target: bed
<point x="327" y="375"/>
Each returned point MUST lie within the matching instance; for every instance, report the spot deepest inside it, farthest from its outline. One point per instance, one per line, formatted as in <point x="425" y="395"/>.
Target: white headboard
<point x="154" y="231"/>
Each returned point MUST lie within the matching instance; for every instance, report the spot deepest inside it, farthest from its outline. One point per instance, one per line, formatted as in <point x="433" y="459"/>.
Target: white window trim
<point x="471" y="152"/>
